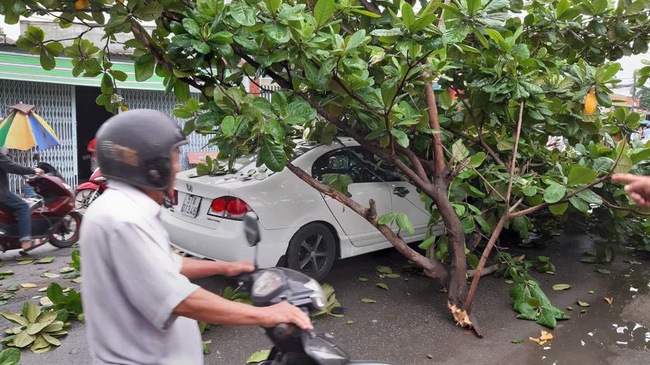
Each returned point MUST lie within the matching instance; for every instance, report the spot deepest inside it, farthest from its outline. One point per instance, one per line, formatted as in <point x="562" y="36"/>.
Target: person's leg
<point x="21" y="209"/>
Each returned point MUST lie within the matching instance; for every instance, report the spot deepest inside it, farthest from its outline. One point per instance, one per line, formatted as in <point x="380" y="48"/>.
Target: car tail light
<point x="175" y="197"/>
<point x="229" y="207"/>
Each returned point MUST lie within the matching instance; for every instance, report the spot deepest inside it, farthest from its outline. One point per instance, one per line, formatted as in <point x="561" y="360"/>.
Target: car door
<point x="364" y="187"/>
<point x="404" y="195"/>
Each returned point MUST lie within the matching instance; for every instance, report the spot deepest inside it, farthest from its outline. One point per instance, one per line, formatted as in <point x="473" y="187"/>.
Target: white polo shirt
<point x="132" y="283"/>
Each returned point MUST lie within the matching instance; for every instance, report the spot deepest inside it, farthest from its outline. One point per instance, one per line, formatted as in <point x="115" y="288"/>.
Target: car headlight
<point x="318" y="297"/>
<point x="267" y="283"/>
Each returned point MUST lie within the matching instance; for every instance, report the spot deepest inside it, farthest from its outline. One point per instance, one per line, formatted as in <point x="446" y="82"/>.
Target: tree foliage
<point x="511" y="74"/>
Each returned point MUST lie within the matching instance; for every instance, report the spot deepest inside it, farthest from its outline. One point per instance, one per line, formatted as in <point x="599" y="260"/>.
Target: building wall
<point x="157" y="100"/>
<point x="55" y="106"/>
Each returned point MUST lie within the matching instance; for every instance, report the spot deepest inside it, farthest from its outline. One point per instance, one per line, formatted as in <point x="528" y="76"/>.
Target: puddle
<point x="607" y="331"/>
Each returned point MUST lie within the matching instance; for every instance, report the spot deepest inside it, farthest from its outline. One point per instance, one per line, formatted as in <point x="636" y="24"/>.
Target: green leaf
<point x="604" y="271"/>
<point x="13" y="317"/>
<point x="10" y="356"/>
<point x="366" y="300"/>
<point x="47" y="59"/>
<point x="243" y="13"/>
<point x="583" y="304"/>
<point x="468" y="225"/>
<point x="384" y="270"/>
<point x="554" y="193"/>
<point x="323" y="11"/>
<point x="144" y="67"/>
<point x="400" y="137"/>
<point x="477" y="159"/>
<point x="367" y="13"/>
<point x="517" y="341"/>
<point x="382" y="286"/>
<point x="182" y="91"/>
<point x="579" y="204"/>
<point x="51" y="340"/>
<point x="408" y="16"/>
<point x="426" y="244"/>
<point x="258" y="356"/>
<point x="561" y="287"/>
<point x="192" y="27"/>
<point x="362" y="279"/>
<point x="32" y="312"/>
<point x="387" y="218"/>
<point x="624" y="165"/>
<point x="45" y="260"/>
<point x="23" y="339"/>
<point x="355" y="40"/>
<point x="403" y="222"/>
<point x="272" y="155"/>
<point x="276" y="32"/>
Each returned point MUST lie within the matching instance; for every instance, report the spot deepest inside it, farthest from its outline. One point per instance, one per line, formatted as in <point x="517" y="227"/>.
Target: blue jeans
<point x="21" y="210"/>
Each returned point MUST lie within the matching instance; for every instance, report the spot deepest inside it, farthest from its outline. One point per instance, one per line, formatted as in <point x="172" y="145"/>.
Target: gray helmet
<point x="137" y="146"/>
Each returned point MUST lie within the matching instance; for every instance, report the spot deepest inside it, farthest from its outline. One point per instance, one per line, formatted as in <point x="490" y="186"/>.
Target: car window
<point x="382" y="170"/>
<point x="354" y="162"/>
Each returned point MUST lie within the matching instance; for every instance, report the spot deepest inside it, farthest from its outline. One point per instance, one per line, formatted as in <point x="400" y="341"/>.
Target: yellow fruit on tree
<point x="81" y="4"/>
<point x="125" y="108"/>
<point x="591" y="103"/>
<point x="119" y="1"/>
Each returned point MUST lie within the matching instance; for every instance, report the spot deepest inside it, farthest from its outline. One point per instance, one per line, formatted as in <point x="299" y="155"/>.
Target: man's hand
<point x="286" y="313"/>
<point x="638" y="187"/>
<point x="237" y="267"/>
<point x="39" y="171"/>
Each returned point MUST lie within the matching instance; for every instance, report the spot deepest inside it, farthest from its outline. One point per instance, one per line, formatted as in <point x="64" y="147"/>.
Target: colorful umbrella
<point x="23" y="129"/>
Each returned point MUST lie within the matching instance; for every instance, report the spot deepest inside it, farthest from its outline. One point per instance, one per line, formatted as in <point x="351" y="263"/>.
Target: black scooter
<point x="291" y="345"/>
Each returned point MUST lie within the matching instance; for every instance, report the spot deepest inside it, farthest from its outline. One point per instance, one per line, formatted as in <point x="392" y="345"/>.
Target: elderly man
<point x="140" y="306"/>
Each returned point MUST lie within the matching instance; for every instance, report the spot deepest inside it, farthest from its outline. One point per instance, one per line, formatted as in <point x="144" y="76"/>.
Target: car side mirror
<point x="252" y="229"/>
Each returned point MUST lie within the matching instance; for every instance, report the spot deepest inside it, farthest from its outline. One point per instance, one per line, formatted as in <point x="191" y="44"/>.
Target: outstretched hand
<point x="284" y="312"/>
<point x="638" y="187"/>
<point x="238" y="267"/>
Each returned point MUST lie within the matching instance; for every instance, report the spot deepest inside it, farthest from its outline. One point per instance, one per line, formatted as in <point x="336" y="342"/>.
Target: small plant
<point x="235" y="296"/>
<point x="37" y="329"/>
<point x="76" y="265"/>
<point x="203" y="326"/>
<point x="69" y="305"/>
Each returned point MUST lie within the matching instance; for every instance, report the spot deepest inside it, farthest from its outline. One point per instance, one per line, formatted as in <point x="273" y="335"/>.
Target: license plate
<point x="191" y="205"/>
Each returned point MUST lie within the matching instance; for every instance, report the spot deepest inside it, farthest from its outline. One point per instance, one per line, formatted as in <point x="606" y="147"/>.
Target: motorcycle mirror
<point x="252" y="229"/>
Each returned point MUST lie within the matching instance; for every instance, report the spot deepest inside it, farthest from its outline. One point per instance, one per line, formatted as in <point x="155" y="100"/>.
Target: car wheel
<point x="312" y="251"/>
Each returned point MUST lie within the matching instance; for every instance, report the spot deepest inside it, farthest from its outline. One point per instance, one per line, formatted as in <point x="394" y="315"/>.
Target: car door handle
<point x="401" y="191"/>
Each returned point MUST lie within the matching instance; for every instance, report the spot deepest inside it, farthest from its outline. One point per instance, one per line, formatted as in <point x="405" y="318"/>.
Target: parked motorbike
<point x="53" y="215"/>
<point x="291" y="345"/>
<point x="87" y="192"/>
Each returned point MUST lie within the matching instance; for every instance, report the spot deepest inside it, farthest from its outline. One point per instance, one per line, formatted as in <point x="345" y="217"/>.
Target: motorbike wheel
<point x="84" y="197"/>
<point x="68" y="232"/>
<point x="312" y="251"/>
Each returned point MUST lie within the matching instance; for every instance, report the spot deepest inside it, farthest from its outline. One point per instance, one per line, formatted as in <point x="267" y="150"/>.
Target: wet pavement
<point x="410" y="324"/>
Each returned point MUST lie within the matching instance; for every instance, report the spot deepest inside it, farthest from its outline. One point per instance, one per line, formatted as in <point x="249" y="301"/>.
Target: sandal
<point x="35" y="243"/>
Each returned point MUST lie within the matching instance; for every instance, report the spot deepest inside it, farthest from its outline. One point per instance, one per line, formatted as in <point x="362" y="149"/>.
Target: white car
<point x="300" y="227"/>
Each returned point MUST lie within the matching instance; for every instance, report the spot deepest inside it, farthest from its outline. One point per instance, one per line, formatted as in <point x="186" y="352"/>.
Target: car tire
<point x="312" y="251"/>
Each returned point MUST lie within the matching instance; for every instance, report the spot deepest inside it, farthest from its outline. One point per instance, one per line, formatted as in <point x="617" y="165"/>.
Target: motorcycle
<point x="291" y="345"/>
<point x="53" y="215"/>
<point x="87" y="192"/>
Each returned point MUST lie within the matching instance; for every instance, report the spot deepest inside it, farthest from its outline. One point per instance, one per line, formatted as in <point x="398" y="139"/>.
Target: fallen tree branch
<point x="628" y="209"/>
<point x="492" y="268"/>
<point x="432" y="267"/>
